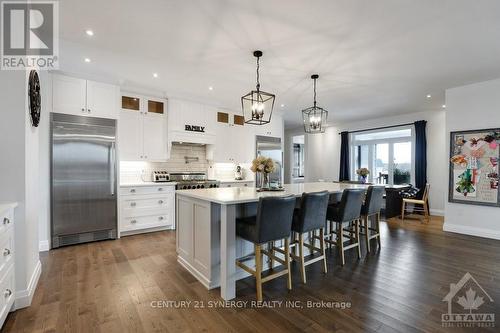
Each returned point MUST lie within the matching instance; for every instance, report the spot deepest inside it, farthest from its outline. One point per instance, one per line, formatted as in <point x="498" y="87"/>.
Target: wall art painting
<point x="474" y="157"/>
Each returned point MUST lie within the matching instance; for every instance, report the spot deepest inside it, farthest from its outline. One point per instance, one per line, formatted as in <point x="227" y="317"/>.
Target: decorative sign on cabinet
<point x="142" y="129"/>
<point x="84" y="97"/>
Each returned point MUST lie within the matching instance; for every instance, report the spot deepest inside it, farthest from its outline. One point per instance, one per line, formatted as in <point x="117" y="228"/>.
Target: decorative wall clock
<point x="34" y="98"/>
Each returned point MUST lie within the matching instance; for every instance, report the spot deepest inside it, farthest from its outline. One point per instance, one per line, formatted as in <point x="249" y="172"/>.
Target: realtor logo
<point x="464" y="300"/>
<point x="29" y="37"/>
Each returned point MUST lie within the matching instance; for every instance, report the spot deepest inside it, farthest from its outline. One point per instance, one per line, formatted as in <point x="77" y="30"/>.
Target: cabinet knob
<point x="160" y="218"/>
<point x="6" y="252"/>
<point x="132" y="204"/>
<point x="160" y="189"/>
<point x="7" y="293"/>
<point x="133" y="221"/>
<point x="88" y="110"/>
<point x="6" y="221"/>
<point x="160" y="201"/>
<point x="83" y="109"/>
<point x="132" y="190"/>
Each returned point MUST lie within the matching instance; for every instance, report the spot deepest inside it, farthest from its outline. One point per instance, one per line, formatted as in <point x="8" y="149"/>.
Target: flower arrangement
<point x="363" y="172"/>
<point x="262" y="164"/>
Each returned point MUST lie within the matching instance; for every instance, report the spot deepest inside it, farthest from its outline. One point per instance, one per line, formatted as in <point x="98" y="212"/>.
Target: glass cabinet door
<point x="155" y="107"/>
<point x="131" y="103"/>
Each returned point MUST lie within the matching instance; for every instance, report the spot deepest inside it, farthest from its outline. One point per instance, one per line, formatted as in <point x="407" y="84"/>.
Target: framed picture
<point x="474" y="157"/>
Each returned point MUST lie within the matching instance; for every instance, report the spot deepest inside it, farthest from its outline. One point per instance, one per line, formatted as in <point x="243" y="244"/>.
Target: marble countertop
<point x="235" y="195"/>
<point x="4" y="206"/>
<point x="147" y="184"/>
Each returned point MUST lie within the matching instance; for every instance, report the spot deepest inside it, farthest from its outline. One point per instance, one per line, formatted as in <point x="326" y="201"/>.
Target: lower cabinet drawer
<point x="144" y="222"/>
<point x="6" y="250"/>
<point x="147" y="190"/>
<point x="7" y="287"/>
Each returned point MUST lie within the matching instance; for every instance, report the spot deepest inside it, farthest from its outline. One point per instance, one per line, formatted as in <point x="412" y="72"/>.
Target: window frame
<point x="371" y="146"/>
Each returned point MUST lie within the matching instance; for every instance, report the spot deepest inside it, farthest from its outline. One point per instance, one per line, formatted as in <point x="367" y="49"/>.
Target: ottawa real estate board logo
<point x="465" y="299"/>
<point x="30" y="35"/>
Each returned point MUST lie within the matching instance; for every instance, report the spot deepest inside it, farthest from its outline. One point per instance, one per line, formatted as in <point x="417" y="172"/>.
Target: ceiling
<point x="375" y="58"/>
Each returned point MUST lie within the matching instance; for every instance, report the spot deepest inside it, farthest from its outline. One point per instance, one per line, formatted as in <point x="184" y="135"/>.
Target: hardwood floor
<point x="110" y="286"/>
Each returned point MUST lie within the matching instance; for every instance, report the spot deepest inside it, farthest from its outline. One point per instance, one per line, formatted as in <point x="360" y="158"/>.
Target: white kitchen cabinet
<point x="142" y="129"/>
<point x="84" y="97"/>
<point x="146" y="207"/>
<point x="7" y="260"/>
<point x="234" y="143"/>
<point x="273" y="129"/>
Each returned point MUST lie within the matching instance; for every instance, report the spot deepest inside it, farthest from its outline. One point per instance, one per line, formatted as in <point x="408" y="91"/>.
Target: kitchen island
<point x="206" y="241"/>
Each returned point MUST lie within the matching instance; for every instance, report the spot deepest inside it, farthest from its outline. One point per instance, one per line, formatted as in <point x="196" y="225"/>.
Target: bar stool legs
<point x="371" y="232"/>
<point x="311" y="245"/>
<point x="258" y="272"/>
<point x="353" y="237"/>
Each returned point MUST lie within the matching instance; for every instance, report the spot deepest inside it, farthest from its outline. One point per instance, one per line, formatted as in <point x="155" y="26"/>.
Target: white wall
<point x="323" y="151"/>
<point x="475" y="106"/>
<point x="19" y="179"/>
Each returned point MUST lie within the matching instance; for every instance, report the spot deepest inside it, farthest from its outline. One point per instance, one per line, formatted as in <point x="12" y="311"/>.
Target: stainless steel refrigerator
<point x="83" y="179"/>
<point x="270" y="147"/>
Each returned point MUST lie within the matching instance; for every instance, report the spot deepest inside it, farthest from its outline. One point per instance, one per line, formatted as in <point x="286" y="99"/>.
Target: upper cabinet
<point x="84" y="97"/>
<point x="235" y="140"/>
<point x="142" y="128"/>
<point x="191" y="122"/>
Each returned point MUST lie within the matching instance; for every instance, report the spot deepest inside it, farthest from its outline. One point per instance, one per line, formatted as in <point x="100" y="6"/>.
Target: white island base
<point x="207" y="245"/>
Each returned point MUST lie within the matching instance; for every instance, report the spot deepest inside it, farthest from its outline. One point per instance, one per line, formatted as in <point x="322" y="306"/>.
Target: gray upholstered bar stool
<point x="273" y="222"/>
<point x="309" y="218"/>
<point x="345" y="212"/>
<point x="372" y="207"/>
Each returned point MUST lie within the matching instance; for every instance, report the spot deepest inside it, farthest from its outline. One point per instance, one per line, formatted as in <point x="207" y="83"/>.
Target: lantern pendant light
<point x="257" y="105"/>
<point x="314" y="117"/>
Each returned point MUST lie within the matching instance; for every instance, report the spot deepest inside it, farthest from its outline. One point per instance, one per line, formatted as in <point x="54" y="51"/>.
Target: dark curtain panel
<point x="420" y="155"/>
<point x="344" y="157"/>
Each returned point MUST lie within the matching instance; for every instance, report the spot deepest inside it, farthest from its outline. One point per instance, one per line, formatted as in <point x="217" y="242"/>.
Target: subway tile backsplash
<point x="195" y="155"/>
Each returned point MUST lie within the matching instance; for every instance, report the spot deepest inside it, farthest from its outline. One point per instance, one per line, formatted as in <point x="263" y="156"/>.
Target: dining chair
<point x="424" y="202"/>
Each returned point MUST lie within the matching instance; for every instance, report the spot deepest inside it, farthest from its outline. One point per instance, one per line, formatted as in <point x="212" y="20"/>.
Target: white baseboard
<point x="437" y="212"/>
<point x="472" y="231"/>
<point x="43" y="246"/>
<point x="24" y="297"/>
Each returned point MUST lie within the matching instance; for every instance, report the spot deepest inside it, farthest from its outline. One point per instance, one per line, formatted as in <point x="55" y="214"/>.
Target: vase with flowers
<point x="264" y="166"/>
<point x="362" y="174"/>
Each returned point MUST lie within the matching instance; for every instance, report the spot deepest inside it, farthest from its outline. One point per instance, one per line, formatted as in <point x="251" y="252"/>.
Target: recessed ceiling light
<point x="282" y="105"/>
<point x="87" y="59"/>
<point x="428" y="96"/>
<point x="210" y="88"/>
<point x="89" y="32"/>
<point x="155" y="75"/>
<point x="443" y="106"/>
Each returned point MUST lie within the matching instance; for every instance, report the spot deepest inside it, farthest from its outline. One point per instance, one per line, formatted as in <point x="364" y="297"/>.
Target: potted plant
<point x="363" y="173"/>
<point x="265" y="166"/>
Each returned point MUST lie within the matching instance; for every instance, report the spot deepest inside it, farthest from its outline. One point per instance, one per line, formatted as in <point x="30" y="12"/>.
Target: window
<point x="298" y="156"/>
<point x="387" y="153"/>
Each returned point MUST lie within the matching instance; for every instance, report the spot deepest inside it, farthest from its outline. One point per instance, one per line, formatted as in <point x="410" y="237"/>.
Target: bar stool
<point x="310" y="217"/>
<point x="347" y="211"/>
<point x="372" y="207"/>
<point x="273" y="222"/>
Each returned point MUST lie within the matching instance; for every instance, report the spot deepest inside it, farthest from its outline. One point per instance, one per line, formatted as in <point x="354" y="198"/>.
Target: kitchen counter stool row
<point x="287" y="219"/>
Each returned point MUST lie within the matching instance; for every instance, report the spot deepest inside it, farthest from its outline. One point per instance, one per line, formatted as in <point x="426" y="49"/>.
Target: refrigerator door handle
<point x="113" y="168"/>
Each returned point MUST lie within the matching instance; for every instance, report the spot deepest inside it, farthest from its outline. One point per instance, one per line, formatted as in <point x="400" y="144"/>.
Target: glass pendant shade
<point x="257" y="105"/>
<point x="314" y="117"/>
